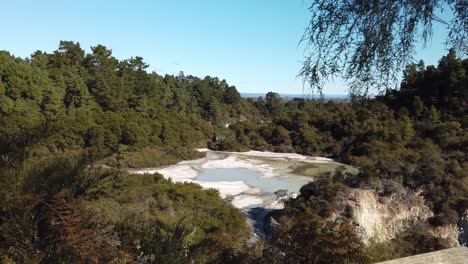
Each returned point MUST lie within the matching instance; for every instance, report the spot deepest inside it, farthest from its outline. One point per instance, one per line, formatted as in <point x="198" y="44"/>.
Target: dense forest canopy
<point x="63" y="111"/>
<point x="368" y="42"/>
<point x="96" y="102"/>
<point x="72" y="121"/>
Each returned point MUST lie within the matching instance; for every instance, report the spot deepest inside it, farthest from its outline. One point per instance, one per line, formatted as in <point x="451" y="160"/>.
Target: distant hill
<point x="305" y="96"/>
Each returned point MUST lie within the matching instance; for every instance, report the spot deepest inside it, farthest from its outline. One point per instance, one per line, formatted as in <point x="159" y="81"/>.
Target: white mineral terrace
<point x="249" y="178"/>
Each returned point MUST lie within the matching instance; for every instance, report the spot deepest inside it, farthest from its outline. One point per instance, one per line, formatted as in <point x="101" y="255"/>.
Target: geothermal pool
<point x="253" y="178"/>
<point x="250" y="179"/>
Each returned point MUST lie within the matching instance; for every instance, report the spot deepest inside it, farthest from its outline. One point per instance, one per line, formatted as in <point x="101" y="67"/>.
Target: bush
<point x="446" y="217"/>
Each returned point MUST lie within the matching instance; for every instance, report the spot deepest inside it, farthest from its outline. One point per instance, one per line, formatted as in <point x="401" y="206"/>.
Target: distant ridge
<point x="304" y="96"/>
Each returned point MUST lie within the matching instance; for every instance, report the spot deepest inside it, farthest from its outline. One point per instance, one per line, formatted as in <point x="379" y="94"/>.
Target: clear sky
<point x="253" y="44"/>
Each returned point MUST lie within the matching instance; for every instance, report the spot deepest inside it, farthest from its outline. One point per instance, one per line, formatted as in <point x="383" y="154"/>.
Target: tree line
<point x="71" y="122"/>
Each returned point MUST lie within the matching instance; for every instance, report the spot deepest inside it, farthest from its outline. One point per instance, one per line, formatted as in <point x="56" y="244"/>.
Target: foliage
<point x="305" y="234"/>
<point x="71" y="122"/>
<point x="65" y="117"/>
<point x="55" y="230"/>
<point x="407" y="243"/>
<point x="368" y="42"/>
<point x="413" y="137"/>
<point x="175" y="222"/>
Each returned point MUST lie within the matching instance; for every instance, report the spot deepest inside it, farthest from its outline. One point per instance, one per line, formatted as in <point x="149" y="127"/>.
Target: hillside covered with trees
<point x="414" y="138"/>
<point x="63" y="116"/>
<point x="70" y="121"/>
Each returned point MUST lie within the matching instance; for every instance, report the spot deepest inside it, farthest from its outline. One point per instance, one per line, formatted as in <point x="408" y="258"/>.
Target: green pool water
<point x="254" y="179"/>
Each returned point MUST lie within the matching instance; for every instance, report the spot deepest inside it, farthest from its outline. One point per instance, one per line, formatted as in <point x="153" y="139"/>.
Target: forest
<point x="72" y="121"/>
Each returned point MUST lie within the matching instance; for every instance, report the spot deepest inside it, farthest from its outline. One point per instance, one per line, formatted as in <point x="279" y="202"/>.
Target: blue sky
<point x="251" y="44"/>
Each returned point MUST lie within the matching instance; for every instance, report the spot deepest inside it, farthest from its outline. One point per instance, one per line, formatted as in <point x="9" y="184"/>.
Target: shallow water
<point x="250" y="179"/>
<point x="254" y="179"/>
<point x="256" y="211"/>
